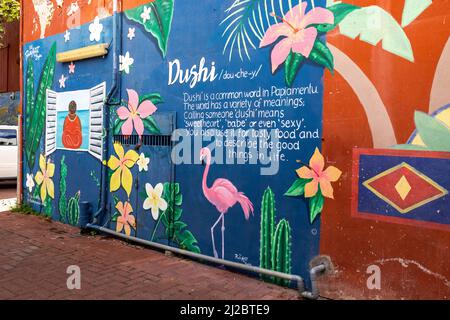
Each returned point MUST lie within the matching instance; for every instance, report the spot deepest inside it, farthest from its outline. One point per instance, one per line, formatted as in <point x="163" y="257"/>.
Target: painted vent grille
<point x="147" y="140"/>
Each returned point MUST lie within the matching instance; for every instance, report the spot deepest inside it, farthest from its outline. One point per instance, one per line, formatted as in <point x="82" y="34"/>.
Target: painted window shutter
<point x="50" y="126"/>
<point x="98" y="95"/>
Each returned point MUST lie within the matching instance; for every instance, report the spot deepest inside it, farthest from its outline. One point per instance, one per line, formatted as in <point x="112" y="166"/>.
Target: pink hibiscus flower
<point x="135" y="113"/>
<point x="298" y="36"/>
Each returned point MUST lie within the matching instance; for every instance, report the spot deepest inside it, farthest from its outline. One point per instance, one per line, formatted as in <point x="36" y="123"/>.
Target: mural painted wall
<point x="278" y="92"/>
<point x="9" y="105"/>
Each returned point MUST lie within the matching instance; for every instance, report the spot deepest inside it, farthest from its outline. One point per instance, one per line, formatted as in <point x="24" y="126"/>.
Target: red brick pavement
<point x="35" y="254"/>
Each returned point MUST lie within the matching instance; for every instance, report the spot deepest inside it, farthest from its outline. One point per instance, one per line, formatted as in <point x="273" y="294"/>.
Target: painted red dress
<point x="71" y="136"/>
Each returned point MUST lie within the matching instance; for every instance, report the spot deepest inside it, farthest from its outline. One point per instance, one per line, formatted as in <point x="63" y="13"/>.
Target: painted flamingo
<point x="223" y="195"/>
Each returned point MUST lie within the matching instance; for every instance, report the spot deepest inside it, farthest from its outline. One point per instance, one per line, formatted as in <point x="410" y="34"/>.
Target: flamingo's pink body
<point x="223" y="195"/>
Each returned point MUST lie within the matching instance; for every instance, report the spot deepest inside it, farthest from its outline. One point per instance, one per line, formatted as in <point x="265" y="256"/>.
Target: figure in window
<point x="72" y="137"/>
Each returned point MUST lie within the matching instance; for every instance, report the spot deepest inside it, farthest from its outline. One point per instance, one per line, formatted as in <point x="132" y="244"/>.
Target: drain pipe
<point x="117" y="40"/>
<point x="290" y="277"/>
<point x="313" y="274"/>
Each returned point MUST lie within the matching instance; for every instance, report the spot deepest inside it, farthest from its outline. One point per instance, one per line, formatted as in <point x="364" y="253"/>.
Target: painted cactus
<point x="62" y="191"/>
<point x="275" y="242"/>
<point x="73" y="209"/>
<point x="281" y="249"/>
<point x="267" y="228"/>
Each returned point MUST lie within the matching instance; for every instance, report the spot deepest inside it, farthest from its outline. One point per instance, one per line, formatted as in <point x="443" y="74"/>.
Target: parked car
<point x="8" y="152"/>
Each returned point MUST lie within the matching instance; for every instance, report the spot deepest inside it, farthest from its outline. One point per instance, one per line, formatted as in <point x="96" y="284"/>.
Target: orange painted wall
<point x="404" y="87"/>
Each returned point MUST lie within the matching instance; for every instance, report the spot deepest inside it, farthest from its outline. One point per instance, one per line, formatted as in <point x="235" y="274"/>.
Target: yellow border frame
<point x="417" y="205"/>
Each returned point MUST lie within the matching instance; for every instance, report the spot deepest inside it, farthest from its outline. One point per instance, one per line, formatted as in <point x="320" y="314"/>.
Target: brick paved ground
<point x="35" y="254"/>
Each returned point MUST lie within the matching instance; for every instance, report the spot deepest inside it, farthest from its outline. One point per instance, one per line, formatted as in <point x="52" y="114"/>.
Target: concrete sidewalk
<point x="35" y="254"/>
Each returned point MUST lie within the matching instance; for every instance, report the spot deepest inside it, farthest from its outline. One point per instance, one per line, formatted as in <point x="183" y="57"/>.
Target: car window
<point x="8" y="137"/>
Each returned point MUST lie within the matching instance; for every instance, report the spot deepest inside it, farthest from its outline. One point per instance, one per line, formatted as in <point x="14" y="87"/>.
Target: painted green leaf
<point x="151" y="125"/>
<point x="159" y="24"/>
<point x="177" y="213"/>
<point x="117" y="128"/>
<point x="179" y="225"/>
<point x="297" y="188"/>
<point x="62" y="204"/>
<point x="434" y="133"/>
<point x="48" y="207"/>
<point x="187" y="240"/>
<point x="321" y="55"/>
<point x="315" y="206"/>
<point x="292" y="66"/>
<point x="175" y="229"/>
<point x="38" y="116"/>
<point x="413" y="9"/>
<point x="340" y="11"/>
<point x="155" y="98"/>
<point x="373" y="24"/>
<point x="29" y="95"/>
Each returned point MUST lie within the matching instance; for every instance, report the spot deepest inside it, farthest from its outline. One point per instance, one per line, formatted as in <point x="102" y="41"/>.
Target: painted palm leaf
<point x="373" y="24"/>
<point x="413" y="9"/>
<point x="160" y="22"/>
<point x="37" y="116"/>
<point x="246" y="22"/>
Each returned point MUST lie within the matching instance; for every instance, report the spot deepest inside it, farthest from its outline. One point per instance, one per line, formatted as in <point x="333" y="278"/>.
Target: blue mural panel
<point x="204" y="135"/>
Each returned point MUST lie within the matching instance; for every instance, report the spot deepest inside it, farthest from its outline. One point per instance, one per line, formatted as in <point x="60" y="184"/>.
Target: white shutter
<point x="97" y="100"/>
<point x="50" y="123"/>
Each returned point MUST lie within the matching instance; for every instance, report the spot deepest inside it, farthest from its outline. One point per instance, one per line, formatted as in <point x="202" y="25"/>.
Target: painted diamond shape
<point x="405" y="188"/>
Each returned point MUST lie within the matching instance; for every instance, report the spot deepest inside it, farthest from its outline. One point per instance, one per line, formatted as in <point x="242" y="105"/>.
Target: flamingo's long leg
<point x="212" y="236"/>
<point x="223" y="236"/>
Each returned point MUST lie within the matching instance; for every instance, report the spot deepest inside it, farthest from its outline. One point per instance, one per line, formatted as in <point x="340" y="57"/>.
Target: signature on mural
<point x="241" y="258"/>
<point x="33" y="52"/>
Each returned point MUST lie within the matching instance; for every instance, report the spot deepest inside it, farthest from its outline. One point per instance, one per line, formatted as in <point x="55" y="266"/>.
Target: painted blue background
<point x="436" y="211"/>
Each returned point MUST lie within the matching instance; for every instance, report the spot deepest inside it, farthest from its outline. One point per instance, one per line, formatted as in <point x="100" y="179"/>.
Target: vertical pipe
<point x="313" y="273"/>
<point x="20" y="123"/>
<point x="117" y="49"/>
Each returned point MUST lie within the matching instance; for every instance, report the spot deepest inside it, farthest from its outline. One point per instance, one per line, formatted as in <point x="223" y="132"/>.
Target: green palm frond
<point x="247" y="21"/>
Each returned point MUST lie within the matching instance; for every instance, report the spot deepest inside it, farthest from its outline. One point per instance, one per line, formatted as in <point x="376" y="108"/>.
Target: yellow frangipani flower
<point x="43" y="178"/>
<point x="121" y="166"/>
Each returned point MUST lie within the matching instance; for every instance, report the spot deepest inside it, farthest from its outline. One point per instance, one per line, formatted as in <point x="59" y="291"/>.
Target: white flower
<point x="30" y="182"/>
<point x="62" y="81"/>
<point x="131" y="33"/>
<point x="95" y="29"/>
<point x="154" y="200"/>
<point x="125" y="63"/>
<point x="59" y="3"/>
<point x="67" y="36"/>
<point x="145" y="15"/>
<point x="143" y="162"/>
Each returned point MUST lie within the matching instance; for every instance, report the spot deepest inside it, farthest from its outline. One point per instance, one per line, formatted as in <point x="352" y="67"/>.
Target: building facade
<point x="270" y="133"/>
